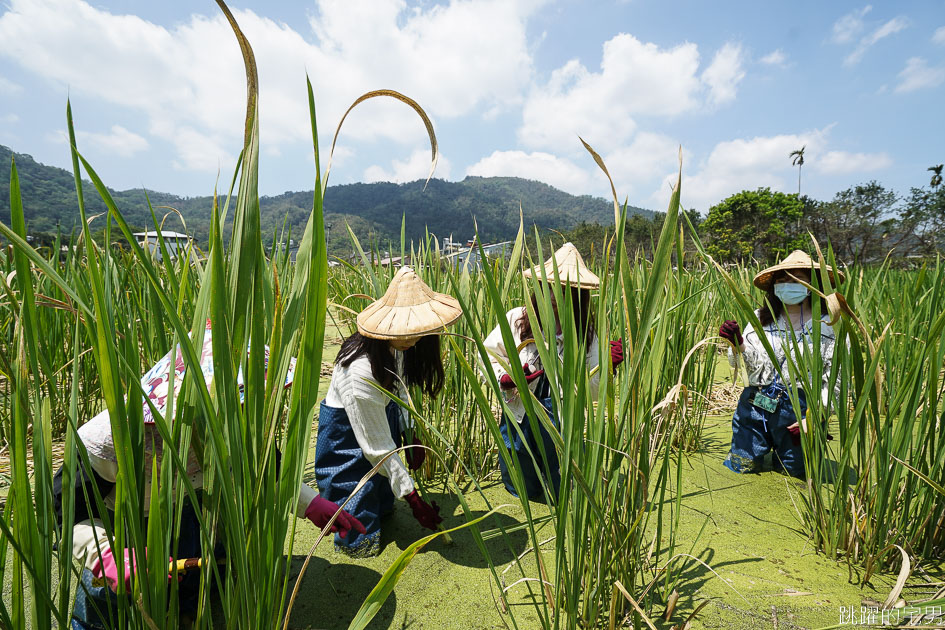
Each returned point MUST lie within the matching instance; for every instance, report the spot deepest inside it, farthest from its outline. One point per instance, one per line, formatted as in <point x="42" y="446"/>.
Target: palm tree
<point x="797" y="159"/>
<point x="936" y="175"/>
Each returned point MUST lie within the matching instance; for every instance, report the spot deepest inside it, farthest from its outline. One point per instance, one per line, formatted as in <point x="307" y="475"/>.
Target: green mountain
<point x="374" y="211"/>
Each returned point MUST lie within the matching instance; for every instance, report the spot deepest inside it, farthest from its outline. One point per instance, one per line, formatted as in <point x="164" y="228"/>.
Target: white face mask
<point x="791" y="292"/>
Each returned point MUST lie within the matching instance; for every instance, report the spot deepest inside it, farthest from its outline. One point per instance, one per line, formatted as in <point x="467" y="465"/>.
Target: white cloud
<point x="118" y="141"/>
<point x="918" y="74"/>
<point x="417" y="166"/>
<point x="774" y="58"/>
<point x="559" y="172"/>
<point x="842" y="162"/>
<point x="8" y="87"/>
<point x="891" y="27"/>
<point x="637" y="167"/>
<point x="744" y="164"/>
<point x="939" y="36"/>
<point x="635" y="78"/>
<point x="9" y="119"/>
<point x="763" y="161"/>
<point x="188" y="79"/>
<point x="724" y="74"/>
<point x="200" y="151"/>
<point x="850" y="25"/>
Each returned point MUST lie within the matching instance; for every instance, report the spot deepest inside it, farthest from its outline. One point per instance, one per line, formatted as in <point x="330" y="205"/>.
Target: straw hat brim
<point x="765" y="277"/>
<point x="384" y="321"/>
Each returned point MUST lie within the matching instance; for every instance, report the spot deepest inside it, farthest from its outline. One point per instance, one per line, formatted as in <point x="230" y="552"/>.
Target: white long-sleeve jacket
<point x="353" y="389"/>
<point x="762" y="371"/>
<point x="529" y="355"/>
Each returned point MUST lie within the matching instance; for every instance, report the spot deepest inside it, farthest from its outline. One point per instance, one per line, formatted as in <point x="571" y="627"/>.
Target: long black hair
<point x="423" y="365"/>
<point x="770" y="315"/>
<point x="580" y="306"/>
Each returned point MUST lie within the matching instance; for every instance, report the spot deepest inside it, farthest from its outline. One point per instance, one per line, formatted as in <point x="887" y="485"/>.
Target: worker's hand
<point x="616" y="352"/>
<point x="506" y="382"/>
<point x="426" y="514"/>
<point x="107" y="568"/>
<point x="730" y="330"/>
<point x="416" y="454"/>
<point x="320" y="511"/>
<point x="529" y="375"/>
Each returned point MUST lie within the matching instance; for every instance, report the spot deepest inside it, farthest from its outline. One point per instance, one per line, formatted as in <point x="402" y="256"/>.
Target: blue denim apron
<point x="756" y="432"/>
<point x="525" y="446"/>
<point x="339" y="466"/>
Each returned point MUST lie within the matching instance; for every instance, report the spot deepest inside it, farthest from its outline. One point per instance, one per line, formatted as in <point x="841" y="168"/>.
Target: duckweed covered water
<point x="751" y="536"/>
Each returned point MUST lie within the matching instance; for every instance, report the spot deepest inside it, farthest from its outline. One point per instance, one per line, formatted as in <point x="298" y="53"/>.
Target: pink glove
<point x="416" y="455"/>
<point x="320" y="511"/>
<point x="426" y="514"/>
<point x="107" y="567"/>
<point x="506" y="381"/>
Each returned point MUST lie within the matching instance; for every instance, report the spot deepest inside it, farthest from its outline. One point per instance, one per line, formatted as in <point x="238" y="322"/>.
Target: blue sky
<point x="157" y="91"/>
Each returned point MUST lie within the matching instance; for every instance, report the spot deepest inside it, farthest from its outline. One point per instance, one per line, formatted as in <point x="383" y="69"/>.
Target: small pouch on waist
<point x="765" y="402"/>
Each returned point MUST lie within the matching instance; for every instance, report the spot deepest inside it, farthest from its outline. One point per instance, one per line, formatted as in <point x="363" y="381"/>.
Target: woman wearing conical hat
<point x="764" y="419"/>
<point x="102" y="568"/>
<point x="579" y="281"/>
<point x="395" y="345"/>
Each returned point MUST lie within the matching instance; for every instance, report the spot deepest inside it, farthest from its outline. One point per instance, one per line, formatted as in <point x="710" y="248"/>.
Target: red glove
<point x="795" y="432"/>
<point x="426" y="514"/>
<point x="616" y="352"/>
<point x="320" y="511"/>
<point x="730" y="330"/>
<point x="415" y="455"/>
<point x="506" y="382"/>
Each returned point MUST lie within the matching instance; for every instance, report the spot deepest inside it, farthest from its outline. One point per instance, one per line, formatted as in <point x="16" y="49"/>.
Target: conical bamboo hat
<point x="797" y="259"/>
<point x="409" y="308"/>
<point x="571" y="269"/>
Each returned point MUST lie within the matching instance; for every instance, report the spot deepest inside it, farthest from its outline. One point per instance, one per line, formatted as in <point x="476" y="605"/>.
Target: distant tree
<point x="641" y="233"/>
<point x="589" y="238"/>
<point x="861" y="222"/>
<point x="923" y="221"/>
<point x="797" y="159"/>
<point x="936" y="175"/>
<point x="753" y="224"/>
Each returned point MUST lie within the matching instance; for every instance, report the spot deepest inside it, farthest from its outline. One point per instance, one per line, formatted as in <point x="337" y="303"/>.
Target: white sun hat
<point x="409" y="308"/>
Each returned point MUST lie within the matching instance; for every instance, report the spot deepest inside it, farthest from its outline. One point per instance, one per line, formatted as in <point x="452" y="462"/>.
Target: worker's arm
<point x="366" y="407"/>
<point x="593" y="361"/>
<point x="88" y="540"/>
<point x="495" y="345"/>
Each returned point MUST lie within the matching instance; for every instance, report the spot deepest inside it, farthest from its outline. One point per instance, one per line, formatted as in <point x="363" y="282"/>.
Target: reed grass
<point x="125" y="308"/>
<point x="77" y="330"/>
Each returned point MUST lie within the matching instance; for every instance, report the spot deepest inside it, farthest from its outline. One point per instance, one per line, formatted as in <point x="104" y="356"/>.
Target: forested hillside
<point x="373" y="210"/>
